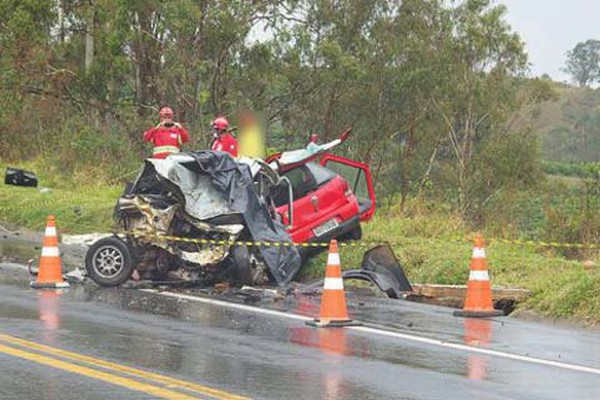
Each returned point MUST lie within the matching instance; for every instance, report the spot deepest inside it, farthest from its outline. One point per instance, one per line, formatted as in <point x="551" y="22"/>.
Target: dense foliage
<point x="583" y="62"/>
<point x="433" y="89"/>
<point x="570" y="128"/>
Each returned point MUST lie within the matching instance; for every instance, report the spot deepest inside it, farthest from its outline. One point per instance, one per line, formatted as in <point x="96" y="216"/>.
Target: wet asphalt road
<point x="243" y="353"/>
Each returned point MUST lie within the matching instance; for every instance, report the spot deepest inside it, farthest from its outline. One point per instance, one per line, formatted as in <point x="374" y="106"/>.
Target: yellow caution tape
<point x="248" y="243"/>
<point x="352" y="243"/>
<point x="356" y="243"/>
<point x="51" y="203"/>
<point x="537" y="243"/>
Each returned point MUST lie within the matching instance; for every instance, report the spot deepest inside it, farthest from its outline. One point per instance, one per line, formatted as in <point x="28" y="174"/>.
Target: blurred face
<point x="247" y="118"/>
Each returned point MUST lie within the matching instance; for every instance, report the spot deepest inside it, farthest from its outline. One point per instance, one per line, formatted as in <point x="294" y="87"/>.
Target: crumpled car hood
<point x="202" y="199"/>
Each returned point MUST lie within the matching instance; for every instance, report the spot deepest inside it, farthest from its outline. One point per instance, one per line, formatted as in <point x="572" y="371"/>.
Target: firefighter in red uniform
<point x="168" y="136"/>
<point x="223" y="141"/>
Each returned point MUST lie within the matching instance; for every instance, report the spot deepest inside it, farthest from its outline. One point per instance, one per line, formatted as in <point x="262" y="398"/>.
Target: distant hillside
<point x="570" y="127"/>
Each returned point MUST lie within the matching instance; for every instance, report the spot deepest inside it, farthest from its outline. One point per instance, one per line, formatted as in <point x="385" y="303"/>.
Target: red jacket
<point x="166" y="139"/>
<point x="227" y="143"/>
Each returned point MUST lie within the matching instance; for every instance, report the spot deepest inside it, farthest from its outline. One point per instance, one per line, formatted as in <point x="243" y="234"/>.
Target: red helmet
<point x="165" y="113"/>
<point x="220" y="124"/>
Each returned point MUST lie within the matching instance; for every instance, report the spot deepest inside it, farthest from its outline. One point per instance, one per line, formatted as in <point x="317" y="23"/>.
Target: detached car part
<point x="20" y="177"/>
<point x="381" y="267"/>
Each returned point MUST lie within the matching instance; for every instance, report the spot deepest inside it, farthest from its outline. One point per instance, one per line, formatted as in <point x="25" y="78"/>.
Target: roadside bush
<point x="579" y="170"/>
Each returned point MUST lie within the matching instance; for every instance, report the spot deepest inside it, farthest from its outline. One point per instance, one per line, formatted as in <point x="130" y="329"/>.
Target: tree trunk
<point x="89" y="62"/>
<point x="329" y="113"/>
<point x="147" y="59"/>
<point x="89" y="39"/>
<point x="407" y="155"/>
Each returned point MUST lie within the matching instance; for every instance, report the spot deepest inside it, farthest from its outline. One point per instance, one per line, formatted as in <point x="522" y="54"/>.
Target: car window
<point x="303" y="182"/>
<point x="355" y="178"/>
<point x="321" y="174"/>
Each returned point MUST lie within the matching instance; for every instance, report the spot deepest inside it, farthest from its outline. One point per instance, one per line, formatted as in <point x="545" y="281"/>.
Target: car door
<point x="358" y="176"/>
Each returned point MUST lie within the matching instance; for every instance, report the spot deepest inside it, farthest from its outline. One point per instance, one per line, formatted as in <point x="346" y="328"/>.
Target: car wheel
<point x="109" y="262"/>
<point x="354" y="234"/>
<point x="240" y="272"/>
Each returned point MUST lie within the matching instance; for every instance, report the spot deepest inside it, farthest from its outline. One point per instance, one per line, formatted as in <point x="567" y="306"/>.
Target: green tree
<point x="25" y="56"/>
<point x="483" y="57"/>
<point x="583" y="62"/>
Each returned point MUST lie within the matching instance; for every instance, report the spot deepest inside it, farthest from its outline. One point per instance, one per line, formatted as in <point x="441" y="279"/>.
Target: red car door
<point x="358" y="176"/>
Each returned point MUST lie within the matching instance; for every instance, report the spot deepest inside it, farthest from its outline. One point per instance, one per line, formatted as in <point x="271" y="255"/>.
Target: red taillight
<point x="284" y="217"/>
<point x="347" y="190"/>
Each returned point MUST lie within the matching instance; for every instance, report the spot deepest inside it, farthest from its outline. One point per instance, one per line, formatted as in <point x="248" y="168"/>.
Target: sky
<point x="550" y="28"/>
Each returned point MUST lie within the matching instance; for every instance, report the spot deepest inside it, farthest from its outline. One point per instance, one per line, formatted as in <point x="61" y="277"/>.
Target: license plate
<point x="326" y="227"/>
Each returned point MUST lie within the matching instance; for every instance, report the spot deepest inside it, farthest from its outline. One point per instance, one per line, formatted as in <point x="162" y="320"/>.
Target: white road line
<point x="489" y="352"/>
<point x="381" y="332"/>
<point x="229" y="305"/>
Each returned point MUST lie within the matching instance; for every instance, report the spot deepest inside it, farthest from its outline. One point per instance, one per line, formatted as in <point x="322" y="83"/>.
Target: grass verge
<point x="79" y="199"/>
<point x="81" y="210"/>
<point x="436" y="248"/>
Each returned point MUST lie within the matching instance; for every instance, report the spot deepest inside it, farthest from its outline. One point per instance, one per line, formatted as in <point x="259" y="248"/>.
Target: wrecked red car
<point x="331" y="198"/>
<point x="204" y="217"/>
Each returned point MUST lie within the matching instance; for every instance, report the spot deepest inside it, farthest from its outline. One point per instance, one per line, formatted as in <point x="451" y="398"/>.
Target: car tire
<point x="354" y="234"/>
<point x="240" y="273"/>
<point x="109" y="262"/>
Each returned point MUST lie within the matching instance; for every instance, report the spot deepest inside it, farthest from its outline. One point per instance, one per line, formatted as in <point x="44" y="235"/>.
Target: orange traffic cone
<point x="478" y="302"/>
<point x="50" y="273"/>
<point x="333" y="301"/>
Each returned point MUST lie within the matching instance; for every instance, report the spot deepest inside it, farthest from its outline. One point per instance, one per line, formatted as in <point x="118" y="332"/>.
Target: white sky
<point x="552" y="27"/>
